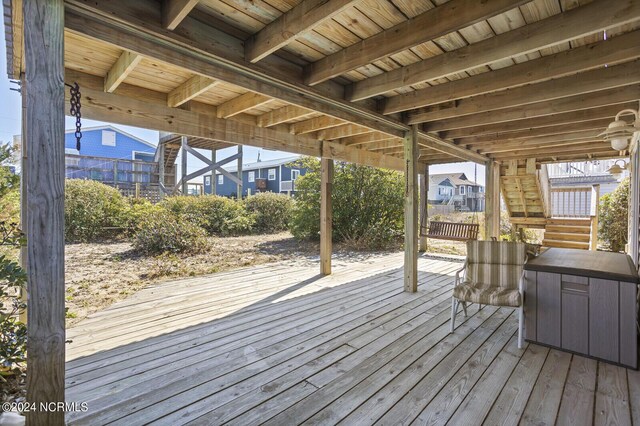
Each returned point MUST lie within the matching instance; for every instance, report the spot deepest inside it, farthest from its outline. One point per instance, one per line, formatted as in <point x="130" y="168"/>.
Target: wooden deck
<point x="279" y="344"/>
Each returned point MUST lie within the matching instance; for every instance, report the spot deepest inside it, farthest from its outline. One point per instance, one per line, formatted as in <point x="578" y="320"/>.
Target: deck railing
<point x="571" y="202"/>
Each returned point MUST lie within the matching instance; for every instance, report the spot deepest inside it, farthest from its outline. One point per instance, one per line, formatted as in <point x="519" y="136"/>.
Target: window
<point x="462" y="188"/>
<point x="469" y="190"/>
<point x="207" y="180"/>
<point x="252" y="177"/>
<point x="295" y="173"/>
<point x="220" y="179"/>
<point x="108" y="138"/>
<point x="272" y="174"/>
<point x="480" y="189"/>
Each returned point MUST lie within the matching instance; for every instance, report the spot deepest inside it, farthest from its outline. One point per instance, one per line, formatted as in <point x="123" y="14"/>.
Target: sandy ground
<point x="98" y="275"/>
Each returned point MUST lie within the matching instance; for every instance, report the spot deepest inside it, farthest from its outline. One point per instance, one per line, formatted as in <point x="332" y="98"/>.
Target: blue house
<point x="109" y="155"/>
<point x="277" y="176"/>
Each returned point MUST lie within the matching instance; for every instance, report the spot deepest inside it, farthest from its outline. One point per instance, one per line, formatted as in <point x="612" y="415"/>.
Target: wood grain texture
<point x="411" y="211"/>
<point x="326" y="216"/>
<point x="44" y="127"/>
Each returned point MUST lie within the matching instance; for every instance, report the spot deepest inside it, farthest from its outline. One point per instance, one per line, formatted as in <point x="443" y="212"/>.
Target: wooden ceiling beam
<point x="589" y="19"/>
<point x="531" y="145"/>
<point x="282" y="115"/>
<point x="342" y="131"/>
<point x="589" y="148"/>
<point x="450" y="148"/>
<point x="190" y="89"/>
<point x="502" y="137"/>
<point x="527" y="124"/>
<point x="551" y="140"/>
<point x="584" y="83"/>
<point x="134" y="106"/>
<point x="434" y="23"/>
<point x="174" y="12"/>
<point x="314" y="124"/>
<point x="302" y="18"/>
<point x="241" y="104"/>
<point x="366" y="139"/>
<point x="618" y="49"/>
<point x="573" y="103"/>
<point x="120" y="70"/>
<point x="114" y="26"/>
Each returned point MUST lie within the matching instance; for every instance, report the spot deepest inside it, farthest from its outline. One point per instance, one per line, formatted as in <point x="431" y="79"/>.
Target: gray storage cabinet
<point x="583" y="302"/>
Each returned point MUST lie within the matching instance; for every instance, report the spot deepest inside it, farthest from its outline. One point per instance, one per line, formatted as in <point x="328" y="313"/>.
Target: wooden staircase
<point x="568" y="233"/>
<point x="530" y="203"/>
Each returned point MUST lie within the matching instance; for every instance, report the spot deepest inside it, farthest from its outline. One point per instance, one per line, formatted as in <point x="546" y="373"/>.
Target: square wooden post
<point x="411" y="210"/>
<point x="424" y="207"/>
<point x="239" y="189"/>
<point x="45" y="173"/>
<point x="183" y="166"/>
<point x="492" y="200"/>
<point x="326" y="216"/>
<point x="213" y="173"/>
<point x="161" y="153"/>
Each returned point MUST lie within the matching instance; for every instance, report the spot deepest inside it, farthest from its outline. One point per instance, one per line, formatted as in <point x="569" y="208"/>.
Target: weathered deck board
<point x="279" y="344"/>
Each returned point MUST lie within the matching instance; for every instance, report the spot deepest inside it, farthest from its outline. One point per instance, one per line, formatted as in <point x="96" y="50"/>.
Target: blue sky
<point x="10" y="118"/>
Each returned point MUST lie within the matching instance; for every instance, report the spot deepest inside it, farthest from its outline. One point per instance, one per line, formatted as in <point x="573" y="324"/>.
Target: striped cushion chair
<point x="492" y="274"/>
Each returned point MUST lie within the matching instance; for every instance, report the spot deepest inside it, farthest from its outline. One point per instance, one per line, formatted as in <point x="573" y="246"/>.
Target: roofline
<point x="115" y="129"/>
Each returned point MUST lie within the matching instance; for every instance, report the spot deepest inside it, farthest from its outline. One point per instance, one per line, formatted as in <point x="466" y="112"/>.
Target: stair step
<point x="563" y="236"/>
<point x="570" y="229"/>
<point x="565" y="244"/>
<point x="569" y="221"/>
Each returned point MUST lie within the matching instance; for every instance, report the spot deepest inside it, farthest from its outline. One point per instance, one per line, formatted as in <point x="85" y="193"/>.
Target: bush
<point x="92" y="210"/>
<point x="614" y="211"/>
<point x="13" y="333"/>
<point x="368" y="205"/>
<point x="164" y="232"/>
<point x="271" y="211"/>
<point x="138" y="210"/>
<point x="216" y="215"/>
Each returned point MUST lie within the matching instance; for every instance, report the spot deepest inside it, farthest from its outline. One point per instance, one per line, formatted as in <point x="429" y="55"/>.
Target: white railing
<point x="287" y="185"/>
<point x="577" y="169"/>
<point x="571" y="202"/>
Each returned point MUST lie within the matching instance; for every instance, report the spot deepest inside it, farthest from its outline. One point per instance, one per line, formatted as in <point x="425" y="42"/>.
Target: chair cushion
<point x="495" y="263"/>
<point x="488" y="294"/>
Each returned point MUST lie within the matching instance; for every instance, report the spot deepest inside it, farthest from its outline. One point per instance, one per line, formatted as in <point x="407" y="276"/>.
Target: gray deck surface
<point x="279" y="344"/>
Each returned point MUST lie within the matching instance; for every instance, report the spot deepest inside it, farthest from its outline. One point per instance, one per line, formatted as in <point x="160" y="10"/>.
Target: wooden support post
<point x="161" y="149"/>
<point x="326" y="215"/>
<point x="45" y="173"/>
<point x="424" y="208"/>
<point x="240" y="184"/>
<point x="411" y="210"/>
<point x="492" y="201"/>
<point x="23" y="194"/>
<point x="213" y="173"/>
<point x="183" y="166"/>
<point x="115" y="173"/>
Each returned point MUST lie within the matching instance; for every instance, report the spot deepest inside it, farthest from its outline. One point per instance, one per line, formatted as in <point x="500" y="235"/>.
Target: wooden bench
<point x="452" y="231"/>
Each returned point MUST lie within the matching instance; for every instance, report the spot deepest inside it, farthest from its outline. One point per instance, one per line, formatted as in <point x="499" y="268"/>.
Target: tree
<point x="368" y="204"/>
<point x="614" y="216"/>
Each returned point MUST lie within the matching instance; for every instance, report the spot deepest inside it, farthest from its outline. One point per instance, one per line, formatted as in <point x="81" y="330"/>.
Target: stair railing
<point x="572" y="202"/>
<point x="594" y="213"/>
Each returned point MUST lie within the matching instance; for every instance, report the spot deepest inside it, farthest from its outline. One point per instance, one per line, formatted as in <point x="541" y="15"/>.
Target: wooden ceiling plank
<point x="174" y="12"/>
<point x="432" y="24"/>
<point x="188" y="90"/>
<point x="573" y="103"/>
<point x="282" y="115"/>
<point x="241" y="104"/>
<point x="451" y="149"/>
<point x="302" y="18"/>
<point x="591" y="18"/>
<point x="366" y="139"/>
<point x="587" y="82"/>
<point x="120" y="70"/>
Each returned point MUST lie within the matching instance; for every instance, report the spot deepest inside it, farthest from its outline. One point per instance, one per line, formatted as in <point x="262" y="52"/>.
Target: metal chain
<point x="75" y="111"/>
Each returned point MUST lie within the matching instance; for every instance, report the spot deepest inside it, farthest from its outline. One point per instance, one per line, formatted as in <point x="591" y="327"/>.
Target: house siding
<point x="91" y="145"/>
<point x="229" y="188"/>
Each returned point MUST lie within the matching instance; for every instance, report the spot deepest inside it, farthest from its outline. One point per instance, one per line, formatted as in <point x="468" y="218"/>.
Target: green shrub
<point x="13" y="333"/>
<point x="368" y="205"/>
<point x="216" y="215"/>
<point x="138" y="210"/>
<point x="164" y="232"/>
<point x="92" y="211"/>
<point x="614" y="211"/>
<point x="271" y="211"/>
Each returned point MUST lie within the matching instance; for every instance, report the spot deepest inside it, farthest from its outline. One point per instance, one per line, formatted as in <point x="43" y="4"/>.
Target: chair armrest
<point x="457" y="281"/>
